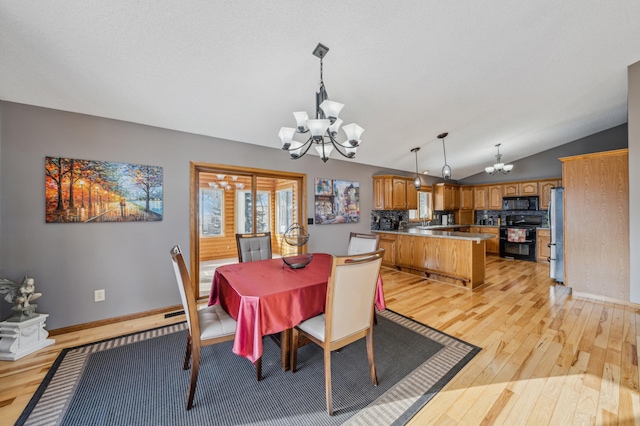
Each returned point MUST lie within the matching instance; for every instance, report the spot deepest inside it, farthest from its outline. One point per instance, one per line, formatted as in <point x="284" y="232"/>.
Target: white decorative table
<point x="18" y="339"/>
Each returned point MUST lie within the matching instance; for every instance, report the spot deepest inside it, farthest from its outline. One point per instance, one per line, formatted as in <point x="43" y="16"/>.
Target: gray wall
<point x="546" y="164"/>
<point x="634" y="179"/>
<point x="129" y="260"/>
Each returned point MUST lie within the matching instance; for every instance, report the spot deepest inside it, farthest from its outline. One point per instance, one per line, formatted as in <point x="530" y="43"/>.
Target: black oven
<point x="520" y="203"/>
<point x="518" y="243"/>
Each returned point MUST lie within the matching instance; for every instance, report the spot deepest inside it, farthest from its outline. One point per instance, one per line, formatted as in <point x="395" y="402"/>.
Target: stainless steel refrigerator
<point x="556" y="223"/>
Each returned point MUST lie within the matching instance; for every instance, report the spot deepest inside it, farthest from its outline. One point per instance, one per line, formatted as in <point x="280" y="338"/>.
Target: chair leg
<point x="371" y="357"/>
<point x="293" y="351"/>
<point x="195" y="366"/>
<point x="327" y="380"/>
<point x="187" y="355"/>
<point x="258" y="365"/>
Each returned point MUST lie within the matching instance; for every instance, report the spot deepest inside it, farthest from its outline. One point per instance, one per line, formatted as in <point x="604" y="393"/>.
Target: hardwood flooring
<point x="547" y="358"/>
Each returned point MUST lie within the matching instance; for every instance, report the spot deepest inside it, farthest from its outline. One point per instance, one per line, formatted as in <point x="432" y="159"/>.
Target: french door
<point x="226" y="200"/>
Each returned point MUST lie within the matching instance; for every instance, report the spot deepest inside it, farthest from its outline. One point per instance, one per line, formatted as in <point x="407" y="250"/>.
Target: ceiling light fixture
<point x="324" y="128"/>
<point x="499" y="167"/>
<point x="416" y="182"/>
<point x="446" y="170"/>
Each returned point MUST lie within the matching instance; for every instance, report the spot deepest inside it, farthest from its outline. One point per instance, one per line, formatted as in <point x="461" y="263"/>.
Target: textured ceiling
<point x="529" y="75"/>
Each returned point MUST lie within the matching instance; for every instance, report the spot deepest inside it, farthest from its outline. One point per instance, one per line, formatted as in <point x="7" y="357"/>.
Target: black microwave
<point x="520" y="203"/>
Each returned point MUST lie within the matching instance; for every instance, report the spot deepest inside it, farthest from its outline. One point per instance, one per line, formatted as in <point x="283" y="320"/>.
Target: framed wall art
<point x="83" y="191"/>
<point x="336" y="201"/>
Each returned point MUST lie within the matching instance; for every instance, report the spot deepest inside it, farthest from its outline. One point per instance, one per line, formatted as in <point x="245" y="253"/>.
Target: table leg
<point x="285" y="348"/>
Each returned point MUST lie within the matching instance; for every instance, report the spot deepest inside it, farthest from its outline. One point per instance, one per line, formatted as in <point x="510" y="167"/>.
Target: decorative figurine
<point x="21" y="295"/>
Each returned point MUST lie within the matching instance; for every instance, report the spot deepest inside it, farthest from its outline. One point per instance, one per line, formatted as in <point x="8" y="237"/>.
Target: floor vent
<point x="173" y="314"/>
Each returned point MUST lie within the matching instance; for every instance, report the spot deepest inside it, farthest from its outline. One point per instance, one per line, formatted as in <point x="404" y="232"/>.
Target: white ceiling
<point x="529" y="75"/>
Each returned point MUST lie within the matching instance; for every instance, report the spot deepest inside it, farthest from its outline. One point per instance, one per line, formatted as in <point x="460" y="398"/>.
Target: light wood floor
<point x="547" y="358"/>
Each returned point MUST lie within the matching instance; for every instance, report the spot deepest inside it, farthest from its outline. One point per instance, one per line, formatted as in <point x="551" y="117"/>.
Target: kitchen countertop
<point x="434" y="233"/>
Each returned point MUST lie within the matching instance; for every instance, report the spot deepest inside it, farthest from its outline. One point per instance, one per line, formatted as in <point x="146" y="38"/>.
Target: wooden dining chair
<point x="348" y="315"/>
<point x="207" y="326"/>
<point x="362" y="243"/>
<point x="255" y="246"/>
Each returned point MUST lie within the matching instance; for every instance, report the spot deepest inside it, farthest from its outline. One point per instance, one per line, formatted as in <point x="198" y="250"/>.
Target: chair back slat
<point x="253" y="247"/>
<point x="351" y="294"/>
<point x="362" y="243"/>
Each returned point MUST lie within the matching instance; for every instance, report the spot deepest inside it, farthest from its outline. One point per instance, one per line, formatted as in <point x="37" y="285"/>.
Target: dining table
<point x="266" y="297"/>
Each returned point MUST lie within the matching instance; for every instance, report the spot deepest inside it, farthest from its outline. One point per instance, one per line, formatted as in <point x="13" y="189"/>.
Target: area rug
<point x="138" y="380"/>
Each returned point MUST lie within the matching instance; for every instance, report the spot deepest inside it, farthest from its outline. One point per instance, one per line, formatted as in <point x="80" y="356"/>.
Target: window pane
<point x="244" y="210"/>
<point x="284" y="210"/>
<point x="211" y="208"/>
<point x="424" y="210"/>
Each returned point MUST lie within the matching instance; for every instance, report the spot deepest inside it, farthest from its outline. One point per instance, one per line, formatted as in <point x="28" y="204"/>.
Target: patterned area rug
<point x="138" y="379"/>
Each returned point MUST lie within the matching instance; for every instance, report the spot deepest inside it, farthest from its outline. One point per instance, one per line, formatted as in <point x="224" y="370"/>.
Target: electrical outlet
<point x="99" y="296"/>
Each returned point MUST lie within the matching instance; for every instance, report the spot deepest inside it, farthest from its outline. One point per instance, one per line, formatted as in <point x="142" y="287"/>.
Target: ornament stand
<point x="18" y="339"/>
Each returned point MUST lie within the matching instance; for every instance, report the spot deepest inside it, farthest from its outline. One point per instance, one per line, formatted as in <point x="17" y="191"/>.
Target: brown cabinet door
<point x="528" y="188"/>
<point x="495" y="197"/>
<point x="412" y="196"/>
<point x="378" y="193"/>
<point x="399" y="194"/>
<point x="511" y="189"/>
<point x="455" y="198"/>
<point x="466" y="198"/>
<point x="481" y="197"/>
<point x="545" y="192"/>
<point x="542" y="240"/>
<point x="388" y="243"/>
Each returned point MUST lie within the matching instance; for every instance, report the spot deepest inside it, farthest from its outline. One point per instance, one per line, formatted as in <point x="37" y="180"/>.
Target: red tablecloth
<point x="265" y="298"/>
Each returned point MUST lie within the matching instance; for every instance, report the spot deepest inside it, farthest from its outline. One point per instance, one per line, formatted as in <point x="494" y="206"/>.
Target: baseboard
<point x="114" y="320"/>
<point x="598" y="298"/>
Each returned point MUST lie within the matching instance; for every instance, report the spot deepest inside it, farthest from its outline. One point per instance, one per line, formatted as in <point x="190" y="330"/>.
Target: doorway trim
<point x="198" y="167"/>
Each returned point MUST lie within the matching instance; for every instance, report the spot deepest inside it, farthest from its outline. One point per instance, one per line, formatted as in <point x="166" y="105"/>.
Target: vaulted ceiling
<point x="528" y="75"/>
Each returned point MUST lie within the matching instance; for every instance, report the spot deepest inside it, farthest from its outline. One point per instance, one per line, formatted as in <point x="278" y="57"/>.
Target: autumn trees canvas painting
<point x="81" y="191"/>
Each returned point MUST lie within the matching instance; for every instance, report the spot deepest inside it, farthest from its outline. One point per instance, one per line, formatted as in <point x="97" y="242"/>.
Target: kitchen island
<point x="454" y="257"/>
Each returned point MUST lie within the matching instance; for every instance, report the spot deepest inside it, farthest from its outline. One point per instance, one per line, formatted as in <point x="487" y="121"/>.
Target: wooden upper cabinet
<point x="394" y="193"/>
<point x="528" y="188"/>
<point x="510" y="189"/>
<point x="466" y="198"/>
<point x="480" y="197"/>
<point x="446" y="196"/>
<point x="495" y="197"/>
<point x="399" y="196"/>
<point x="515" y="189"/>
<point x="545" y="192"/>
<point x="412" y="196"/>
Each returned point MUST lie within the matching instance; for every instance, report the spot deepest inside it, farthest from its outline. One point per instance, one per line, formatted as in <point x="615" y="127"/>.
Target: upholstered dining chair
<point x="254" y="246"/>
<point x="206" y="326"/>
<point x="348" y="316"/>
<point x="362" y="243"/>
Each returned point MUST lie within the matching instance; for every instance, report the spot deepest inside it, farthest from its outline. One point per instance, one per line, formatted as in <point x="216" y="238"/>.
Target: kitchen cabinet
<point x="515" y="189"/>
<point x="394" y="193"/>
<point x="480" y="197"/>
<point x="466" y="198"/>
<point x="543" y="238"/>
<point x="446" y="196"/>
<point x="388" y="243"/>
<point x="495" y="197"/>
<point x="493" y="244"/>
<point x="545" y="191"/>
<point x="596" y="225"/>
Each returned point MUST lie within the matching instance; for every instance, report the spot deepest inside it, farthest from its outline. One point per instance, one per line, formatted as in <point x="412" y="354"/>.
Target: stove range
<point x="518" y="237"/>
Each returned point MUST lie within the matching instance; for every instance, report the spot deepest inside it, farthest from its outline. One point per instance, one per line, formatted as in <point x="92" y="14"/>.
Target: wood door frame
<point x="198" y="167"/>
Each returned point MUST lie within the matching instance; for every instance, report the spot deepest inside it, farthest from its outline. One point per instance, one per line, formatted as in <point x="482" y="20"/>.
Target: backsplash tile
<point x="388" y="219"/>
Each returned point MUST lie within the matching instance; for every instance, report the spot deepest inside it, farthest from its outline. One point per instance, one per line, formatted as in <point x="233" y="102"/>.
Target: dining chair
<point x="206" y="326"/>
<point x="362" y="243"/>
<point x="348" y="316"/>
<point x="255" y="246"/>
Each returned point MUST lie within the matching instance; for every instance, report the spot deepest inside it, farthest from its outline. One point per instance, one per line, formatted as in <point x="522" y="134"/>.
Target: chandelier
<point x="446" y="170"/>
<point x="324" y="128"/>
<point x="499" y="167"/>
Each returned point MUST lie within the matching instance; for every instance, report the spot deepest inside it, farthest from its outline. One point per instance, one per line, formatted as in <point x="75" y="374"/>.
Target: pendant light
<point x="416" y="182"/>
<point x="446" y="170"/>
<point x="499" y="166"/>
